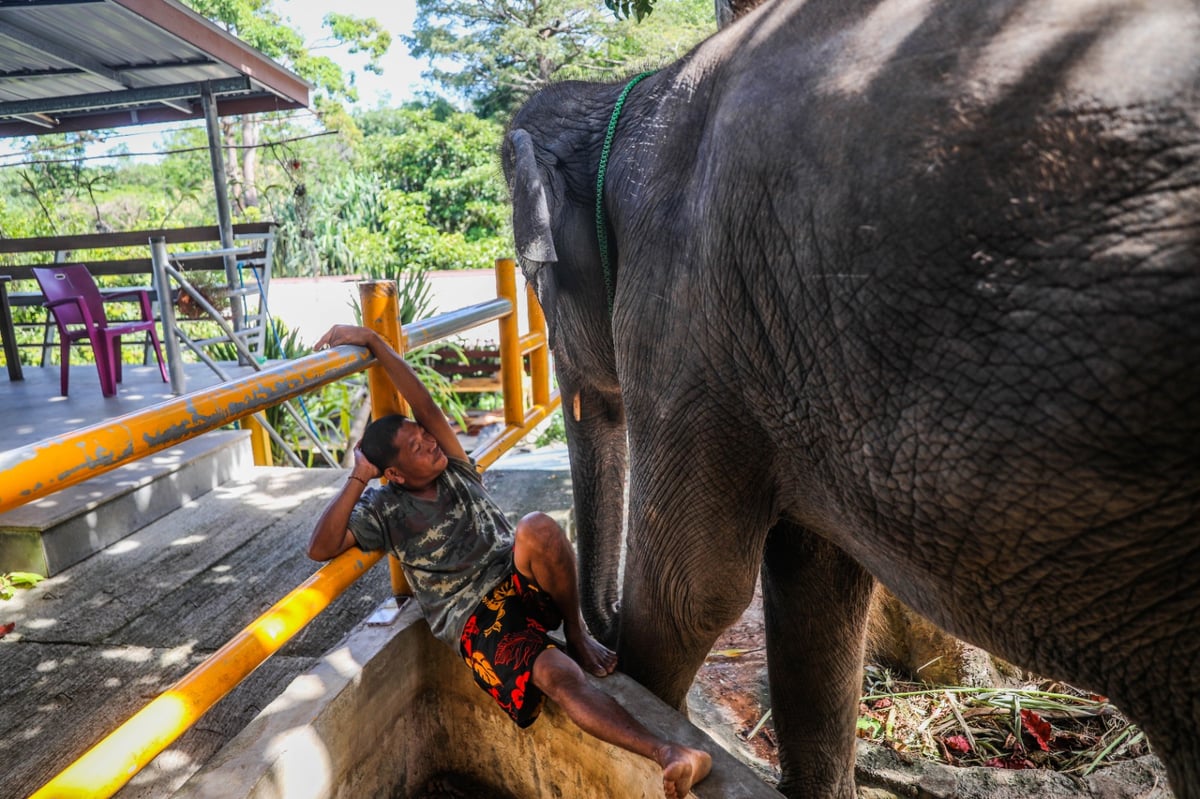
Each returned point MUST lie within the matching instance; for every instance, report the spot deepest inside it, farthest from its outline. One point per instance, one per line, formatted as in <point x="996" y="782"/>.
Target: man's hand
<point x="346" y="334"/>
<point x="363" y="469"/>
<point x="425" y="410"/>
<point x="331" y="536"/>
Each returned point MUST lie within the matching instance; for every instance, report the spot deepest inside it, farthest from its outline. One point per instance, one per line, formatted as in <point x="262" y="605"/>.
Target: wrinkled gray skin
<point x="906" y="290"/>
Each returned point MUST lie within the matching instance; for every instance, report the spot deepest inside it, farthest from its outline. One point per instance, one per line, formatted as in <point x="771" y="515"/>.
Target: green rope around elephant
<point x="601" y="217"/>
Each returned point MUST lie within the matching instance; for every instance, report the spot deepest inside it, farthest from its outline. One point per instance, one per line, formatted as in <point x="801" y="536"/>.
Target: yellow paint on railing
<point x="511" y="365"/>
<point x="260" y="441"/>
<point x="487" y="454"/>
<point x="50" y="465"/>
<point x="381" y="312"/>
<point x="111" y="763"/>
<point x="55" y="463"/>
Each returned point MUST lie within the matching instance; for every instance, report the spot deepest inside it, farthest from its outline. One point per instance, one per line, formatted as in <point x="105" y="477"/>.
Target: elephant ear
<point x="531" y="211"/>
<point x="531" y="225"/>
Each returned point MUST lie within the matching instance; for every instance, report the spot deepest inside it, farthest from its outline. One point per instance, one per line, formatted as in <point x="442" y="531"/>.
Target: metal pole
<point x="512" y="363"/>
<point x="380" y="303"/>
<point x="224" y="216"/>
<point x="381" y="312"/>
<point x="539" y="358"/>
<point x="166" y="309"/>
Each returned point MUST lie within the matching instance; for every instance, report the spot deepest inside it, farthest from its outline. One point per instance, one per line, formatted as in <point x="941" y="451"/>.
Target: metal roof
<point x="69" y="65"/>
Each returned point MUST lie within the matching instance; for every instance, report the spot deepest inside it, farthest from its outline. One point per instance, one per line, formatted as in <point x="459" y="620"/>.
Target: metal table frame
<point x="10" y="335"/>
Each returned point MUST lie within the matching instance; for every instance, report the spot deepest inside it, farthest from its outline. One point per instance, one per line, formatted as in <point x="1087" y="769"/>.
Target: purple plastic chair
<point x="78" y="308"/>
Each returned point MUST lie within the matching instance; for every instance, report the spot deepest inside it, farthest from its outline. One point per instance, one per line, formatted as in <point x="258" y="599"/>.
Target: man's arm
<point x="331" y="537"/>
<point x="424" y="410"/>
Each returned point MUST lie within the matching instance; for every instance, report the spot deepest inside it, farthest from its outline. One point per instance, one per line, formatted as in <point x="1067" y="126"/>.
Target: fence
<point x="125" y="256"/>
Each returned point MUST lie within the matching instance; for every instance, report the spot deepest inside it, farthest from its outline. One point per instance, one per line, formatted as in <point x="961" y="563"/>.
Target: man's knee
<point x="556" y="674"/>
<point x="538" y="531"/>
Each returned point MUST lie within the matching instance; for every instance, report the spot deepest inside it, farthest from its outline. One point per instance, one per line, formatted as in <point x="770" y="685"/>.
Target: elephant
<point x="898" y="292"/>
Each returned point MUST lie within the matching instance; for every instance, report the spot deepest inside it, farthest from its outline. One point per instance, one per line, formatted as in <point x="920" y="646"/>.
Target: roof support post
<point x="166" y="309"/>
<point x="224" y="217"/>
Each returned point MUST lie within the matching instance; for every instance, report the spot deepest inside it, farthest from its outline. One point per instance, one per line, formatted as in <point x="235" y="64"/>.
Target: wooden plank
<point x="130" y="266"/>
<point x="112" y="589"/>
<point x="476" y="384"/>
<point x="129" y="238"/>
<point x="238" y="587"/>
<point x="60" y="699"/>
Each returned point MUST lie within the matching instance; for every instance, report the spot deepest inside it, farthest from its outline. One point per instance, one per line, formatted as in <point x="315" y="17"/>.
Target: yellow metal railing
<point x="112" y="762"/>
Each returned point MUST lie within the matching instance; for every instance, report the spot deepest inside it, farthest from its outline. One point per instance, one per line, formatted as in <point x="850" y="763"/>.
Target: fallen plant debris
<point x="8" y="584"/>
<point x="1043" y="726"/>
<point x="13" y="580"/>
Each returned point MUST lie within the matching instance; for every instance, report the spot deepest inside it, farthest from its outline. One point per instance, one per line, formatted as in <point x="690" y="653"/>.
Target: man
<point x="490" y="592"/>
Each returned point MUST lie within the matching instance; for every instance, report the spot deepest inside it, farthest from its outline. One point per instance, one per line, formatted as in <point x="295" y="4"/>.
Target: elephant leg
<point x="1169" y="720"/>
<point x="1180" y="751"/>
<point x="690" y="571"/>
<point x="815" y="605"/>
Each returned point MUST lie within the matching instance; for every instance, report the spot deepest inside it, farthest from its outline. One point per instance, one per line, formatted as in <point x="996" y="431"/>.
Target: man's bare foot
<point x="682" y="768"/>
<point x="591" y="655"/>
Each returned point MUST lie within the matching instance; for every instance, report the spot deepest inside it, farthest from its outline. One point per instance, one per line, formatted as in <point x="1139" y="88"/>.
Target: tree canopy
<point x="495" y="54"/>
<point x="259" y="24"/>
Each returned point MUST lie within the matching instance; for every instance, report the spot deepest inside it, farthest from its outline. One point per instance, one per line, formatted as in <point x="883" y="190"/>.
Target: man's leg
<point x="541" y="551"/>
<point x="598" y="714"/>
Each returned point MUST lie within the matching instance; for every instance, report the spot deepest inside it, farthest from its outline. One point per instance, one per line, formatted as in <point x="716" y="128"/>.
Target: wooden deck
<point x="32" y="409"/>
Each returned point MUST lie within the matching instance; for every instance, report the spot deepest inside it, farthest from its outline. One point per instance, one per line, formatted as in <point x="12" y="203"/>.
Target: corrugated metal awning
<point x="69" y="65"/>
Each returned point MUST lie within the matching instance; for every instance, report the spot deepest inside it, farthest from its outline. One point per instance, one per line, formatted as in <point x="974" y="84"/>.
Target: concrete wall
<point x="392" y="708"/>
<point x="312" y="305"/>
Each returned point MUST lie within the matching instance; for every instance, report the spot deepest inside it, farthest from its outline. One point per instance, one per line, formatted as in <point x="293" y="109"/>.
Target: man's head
<point x="403" y="451"/>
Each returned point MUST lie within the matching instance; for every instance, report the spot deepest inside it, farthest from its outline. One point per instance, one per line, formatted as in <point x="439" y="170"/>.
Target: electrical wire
<point x="261" y="145"/>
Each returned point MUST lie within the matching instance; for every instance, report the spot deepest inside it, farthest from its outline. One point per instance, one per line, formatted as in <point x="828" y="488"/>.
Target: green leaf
<point x="25" y="579"/>
<point x="868" y="727"/>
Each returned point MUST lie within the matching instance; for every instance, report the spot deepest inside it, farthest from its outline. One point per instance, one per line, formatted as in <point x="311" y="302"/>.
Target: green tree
<point x="57" y="186"/>
<point x="450" y="157"/>
<point x="496" y="54"/>
<point x="424" y="192"/>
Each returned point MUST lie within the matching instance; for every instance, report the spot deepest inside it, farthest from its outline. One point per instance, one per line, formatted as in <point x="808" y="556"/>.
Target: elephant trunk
<point x="595" y="425"/>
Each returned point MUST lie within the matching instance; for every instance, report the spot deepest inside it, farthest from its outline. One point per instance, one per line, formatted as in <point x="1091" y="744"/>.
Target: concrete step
<point x="50" y="534"/>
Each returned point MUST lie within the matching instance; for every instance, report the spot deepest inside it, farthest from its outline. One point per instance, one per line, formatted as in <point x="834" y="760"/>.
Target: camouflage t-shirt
<point x="453" y="548"/>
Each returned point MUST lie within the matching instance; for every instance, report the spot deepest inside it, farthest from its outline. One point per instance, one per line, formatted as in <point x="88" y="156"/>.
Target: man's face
<point x="419" y="459"/>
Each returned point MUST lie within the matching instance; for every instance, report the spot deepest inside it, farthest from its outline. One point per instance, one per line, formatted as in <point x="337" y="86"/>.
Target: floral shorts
<point x="502" y="638"/>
